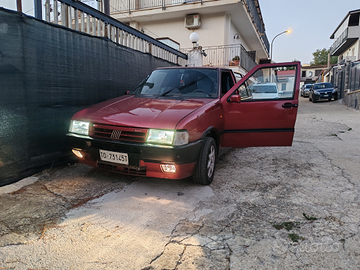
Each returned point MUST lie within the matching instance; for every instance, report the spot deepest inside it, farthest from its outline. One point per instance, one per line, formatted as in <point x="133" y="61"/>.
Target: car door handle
<point x="289" y="105"/>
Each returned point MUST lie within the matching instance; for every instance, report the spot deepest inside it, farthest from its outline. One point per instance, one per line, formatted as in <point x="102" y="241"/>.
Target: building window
<point x="283" y="86"/>
<point x="303" y="74"/>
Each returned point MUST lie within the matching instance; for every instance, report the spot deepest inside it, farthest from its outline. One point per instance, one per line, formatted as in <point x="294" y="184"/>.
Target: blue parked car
<point x="323" y="90"/>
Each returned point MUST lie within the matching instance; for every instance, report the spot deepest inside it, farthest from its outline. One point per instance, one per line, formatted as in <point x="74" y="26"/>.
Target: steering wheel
<point x="201" y="91"/>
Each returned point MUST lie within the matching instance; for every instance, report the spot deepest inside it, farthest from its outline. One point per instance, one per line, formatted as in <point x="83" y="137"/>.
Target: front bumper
<point x="144" y="160"/>
<point x="325" y="95"/>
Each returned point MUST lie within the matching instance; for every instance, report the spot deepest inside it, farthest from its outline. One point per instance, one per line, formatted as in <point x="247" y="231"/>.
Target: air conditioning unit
<point x="192" y="21"/>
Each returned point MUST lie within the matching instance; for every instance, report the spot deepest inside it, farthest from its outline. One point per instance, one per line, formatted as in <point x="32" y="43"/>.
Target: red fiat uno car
<point x="178" y="120"/>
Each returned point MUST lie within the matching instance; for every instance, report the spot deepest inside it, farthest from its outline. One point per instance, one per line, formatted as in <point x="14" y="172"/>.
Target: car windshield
<point x="308" y="86"/>
<point x="184" y="82"/>
<point x="322" y="86"/>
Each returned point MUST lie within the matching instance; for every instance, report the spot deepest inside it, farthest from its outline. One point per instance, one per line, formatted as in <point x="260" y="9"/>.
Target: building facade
<point x="347" y="38"/>
<point x="232" y="32"/>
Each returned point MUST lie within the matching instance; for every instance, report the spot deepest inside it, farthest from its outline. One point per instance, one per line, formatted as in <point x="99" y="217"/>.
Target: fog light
<point x="77" y="153"/>
<point x="168" y="168"/>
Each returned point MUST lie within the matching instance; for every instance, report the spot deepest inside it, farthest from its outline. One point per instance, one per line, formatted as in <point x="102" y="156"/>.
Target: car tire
<point x="205" y="166"/>
<point x="336" y="97"/>
<point x="313" y="100"/>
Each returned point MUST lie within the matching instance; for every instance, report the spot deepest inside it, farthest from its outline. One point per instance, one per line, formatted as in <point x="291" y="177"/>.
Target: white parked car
<point x="304" y="90"/>
<point x="265" y="91"/>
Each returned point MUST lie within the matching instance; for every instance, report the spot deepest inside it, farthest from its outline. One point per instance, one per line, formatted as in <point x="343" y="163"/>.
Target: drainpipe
<point x="19" y="5"/>
<point x="107" y="7"/>
<point x="38" y="9"/>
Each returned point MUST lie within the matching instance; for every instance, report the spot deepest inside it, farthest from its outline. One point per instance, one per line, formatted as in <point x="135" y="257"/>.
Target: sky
<point x="311" y="23"/>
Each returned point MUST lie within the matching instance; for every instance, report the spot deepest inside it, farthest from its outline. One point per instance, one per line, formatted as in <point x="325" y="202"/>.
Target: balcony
<point x="224" y="56"/>
<point x="136" y="5"/>
<point x="345" y="40"/>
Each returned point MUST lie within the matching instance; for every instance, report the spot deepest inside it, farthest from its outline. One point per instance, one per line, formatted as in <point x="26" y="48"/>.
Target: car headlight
<point x="316" y="93"/>
<point x="79" y="127"/>
<point x="334" y="91"/>
<point x="167" y="137"/>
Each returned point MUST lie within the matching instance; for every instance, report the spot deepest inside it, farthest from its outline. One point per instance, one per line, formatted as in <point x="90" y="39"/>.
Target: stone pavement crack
<point x="53" y="193"/>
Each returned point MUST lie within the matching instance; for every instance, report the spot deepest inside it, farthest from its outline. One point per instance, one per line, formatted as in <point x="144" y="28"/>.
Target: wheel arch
<point x="213" y="133"/>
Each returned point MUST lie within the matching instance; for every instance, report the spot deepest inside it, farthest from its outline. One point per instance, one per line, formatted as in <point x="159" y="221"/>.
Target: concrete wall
<point x="352" y="99"/>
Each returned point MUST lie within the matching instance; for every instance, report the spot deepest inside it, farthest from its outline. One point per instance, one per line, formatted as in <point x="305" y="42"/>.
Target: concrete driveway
<point x="268" y="208"/>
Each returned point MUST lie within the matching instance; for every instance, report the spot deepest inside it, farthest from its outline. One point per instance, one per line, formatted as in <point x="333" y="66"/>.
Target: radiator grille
<point x="125" y="134"/>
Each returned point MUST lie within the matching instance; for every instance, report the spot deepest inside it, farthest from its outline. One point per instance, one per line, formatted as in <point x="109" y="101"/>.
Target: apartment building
<point x="232" y="32"/>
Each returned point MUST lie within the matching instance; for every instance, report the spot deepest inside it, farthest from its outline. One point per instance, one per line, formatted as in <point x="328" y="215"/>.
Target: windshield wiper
<point x="181" y="87"/>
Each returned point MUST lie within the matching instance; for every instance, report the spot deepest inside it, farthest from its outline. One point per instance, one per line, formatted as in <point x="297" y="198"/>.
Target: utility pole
<point x="19" y="5"/>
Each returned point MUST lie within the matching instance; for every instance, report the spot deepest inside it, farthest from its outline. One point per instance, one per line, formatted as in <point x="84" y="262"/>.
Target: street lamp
<point x="287" y="31"/>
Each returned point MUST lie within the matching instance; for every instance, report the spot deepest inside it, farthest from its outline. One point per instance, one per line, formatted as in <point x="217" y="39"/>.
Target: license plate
<point x="326" y="95"/>
<point x="114" y="157"/>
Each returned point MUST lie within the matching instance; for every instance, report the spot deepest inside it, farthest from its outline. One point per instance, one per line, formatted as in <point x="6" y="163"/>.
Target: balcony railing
<point x="252" y="9"/>
<point x="339" y="41"/>
<point x="132" y="5"/>
<point x="222" y="56"/>
<point x="81" y="17"/>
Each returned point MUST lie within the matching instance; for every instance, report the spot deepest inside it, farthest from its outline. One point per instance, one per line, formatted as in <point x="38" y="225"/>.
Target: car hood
<point x="141" y="112"/>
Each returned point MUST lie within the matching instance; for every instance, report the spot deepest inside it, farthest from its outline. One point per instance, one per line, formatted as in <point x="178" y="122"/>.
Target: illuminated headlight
<point x="79" y="127"/>
<point x="167" y="137"/>
<point x="168" y="168"/>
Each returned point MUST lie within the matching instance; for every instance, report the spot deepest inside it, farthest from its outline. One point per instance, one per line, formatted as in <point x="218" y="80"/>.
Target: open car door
<point x="260" y="110"/>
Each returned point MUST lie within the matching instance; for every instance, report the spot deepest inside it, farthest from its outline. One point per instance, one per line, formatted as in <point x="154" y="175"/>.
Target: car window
<point x="227" y="82"/>
<point x="270" y="84"/>
<point x="185" y="83"/>
<point x="322" y="86"/>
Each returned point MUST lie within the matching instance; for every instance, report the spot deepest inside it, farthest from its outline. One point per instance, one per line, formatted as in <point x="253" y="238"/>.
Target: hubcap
<point x="211" y="161"/>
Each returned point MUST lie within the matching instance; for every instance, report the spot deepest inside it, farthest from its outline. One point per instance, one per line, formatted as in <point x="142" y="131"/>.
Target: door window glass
<point x="269" y="84"/>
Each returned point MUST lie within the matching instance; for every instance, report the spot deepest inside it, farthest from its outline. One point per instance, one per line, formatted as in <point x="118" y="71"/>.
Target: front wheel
<point x="205" y="166"/>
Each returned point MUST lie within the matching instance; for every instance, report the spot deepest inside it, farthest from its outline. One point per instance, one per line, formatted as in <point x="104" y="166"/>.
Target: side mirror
<point x="235" y="98"/>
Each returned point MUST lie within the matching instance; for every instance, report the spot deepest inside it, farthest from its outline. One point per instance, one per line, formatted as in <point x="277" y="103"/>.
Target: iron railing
<point x="81" y="17"/>
<point x="252" y="9"/>
<point x="132" y="5"/>
<point x="223" y="56"/>
<point x="339" y="41"/>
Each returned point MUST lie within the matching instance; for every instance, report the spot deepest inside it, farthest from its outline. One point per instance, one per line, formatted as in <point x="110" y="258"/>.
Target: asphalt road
<point x="268" y="208"/>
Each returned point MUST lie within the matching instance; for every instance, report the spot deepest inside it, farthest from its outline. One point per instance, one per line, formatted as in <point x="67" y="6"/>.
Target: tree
<point x="321" y="57"/>
<point x="289" y="68"/>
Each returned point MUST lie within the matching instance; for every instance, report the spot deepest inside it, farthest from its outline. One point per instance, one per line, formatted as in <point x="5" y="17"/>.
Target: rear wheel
<point x="205" y="166"/>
